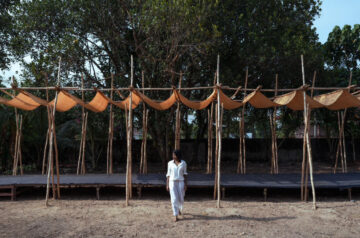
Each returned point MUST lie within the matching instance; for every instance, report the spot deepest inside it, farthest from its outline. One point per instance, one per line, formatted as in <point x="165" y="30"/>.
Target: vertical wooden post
<point x="341" y="144"/>
<point x="338" y="150"/>
<point x="242" y="153"/>
<point x="51" y="139"/>
<point x="141" y="167"/>
<point x="219" y="133"/>
<point x="129" y="140"/>
<point x="307" y="136"/>
<point x="274" y="159"/>
<point x="81" y="159"/>
<point x="305" y="164"/>
<point x="109" y="159"/>
<point x="145" y="143"/>
<point x="49" y="127"/>
<point x="16" y="144"/>
<point x="17" y="136"/>
<point x="178" y="120"/>
<point x="19" y="145"/>
<point x="83" y="167"/>
<point x="306" y="192"/>
<point x="210" y="137"/>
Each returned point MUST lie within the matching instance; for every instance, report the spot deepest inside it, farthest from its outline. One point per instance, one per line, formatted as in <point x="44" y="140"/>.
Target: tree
<point x="342" y="49"/>
<point x="6" y="31"/>
<point x="96" y="38"/>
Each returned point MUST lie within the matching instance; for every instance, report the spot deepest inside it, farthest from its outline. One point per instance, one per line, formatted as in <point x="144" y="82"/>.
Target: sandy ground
<point x="240" y="216"/>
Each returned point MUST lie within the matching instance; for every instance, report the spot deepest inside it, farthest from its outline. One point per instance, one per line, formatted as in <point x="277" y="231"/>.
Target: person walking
<point x="176" y="182"/>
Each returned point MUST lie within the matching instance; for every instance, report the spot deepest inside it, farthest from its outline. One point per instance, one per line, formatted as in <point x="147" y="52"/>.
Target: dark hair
<point x="178" y="154"/>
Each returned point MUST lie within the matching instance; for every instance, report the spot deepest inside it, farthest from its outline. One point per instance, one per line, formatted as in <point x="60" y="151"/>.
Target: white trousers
<point x="177" y="193"/>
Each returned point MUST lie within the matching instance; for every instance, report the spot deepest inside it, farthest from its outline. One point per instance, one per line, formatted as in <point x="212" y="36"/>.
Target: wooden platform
<point x="262" y="181"/>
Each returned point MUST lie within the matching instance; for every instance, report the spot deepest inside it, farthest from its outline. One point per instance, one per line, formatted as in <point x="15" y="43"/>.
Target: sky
<point x="334" y="12"/>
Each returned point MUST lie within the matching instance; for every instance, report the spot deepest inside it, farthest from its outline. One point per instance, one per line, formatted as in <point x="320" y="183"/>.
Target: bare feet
<point x="175" y="218"/>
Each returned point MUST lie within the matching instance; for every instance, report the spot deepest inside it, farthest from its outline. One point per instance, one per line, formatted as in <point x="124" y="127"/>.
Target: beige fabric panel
<point x="259" y="100"/>
<point x="21" y="101"/>
<point x="34" y="98"/>
<point x="164" y="105"/>
<point x="228" y="103"/>
<point x="197" y="105"/>
<point x="64" y="102"/>
<point x="337" y="100"/>
<point x="126" y="102"/>
<point x="295" y="101"/>
<point x="98" y="104"/>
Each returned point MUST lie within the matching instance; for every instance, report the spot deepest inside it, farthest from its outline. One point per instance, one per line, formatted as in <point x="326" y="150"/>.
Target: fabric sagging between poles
<point x="259" y="100"/>
<point x="161" y="106"/>
<point x="197" y="105"/>
<point x="21" y="101"/>
<point x="295" y="101"/>
<point x="337" y="100"/>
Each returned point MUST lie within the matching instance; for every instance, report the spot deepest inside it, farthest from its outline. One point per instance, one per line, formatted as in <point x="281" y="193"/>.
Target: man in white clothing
<point x="176" y="182"/>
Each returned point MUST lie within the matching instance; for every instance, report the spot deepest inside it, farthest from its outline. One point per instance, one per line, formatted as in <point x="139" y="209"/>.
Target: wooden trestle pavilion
<point x="295" y="99"/>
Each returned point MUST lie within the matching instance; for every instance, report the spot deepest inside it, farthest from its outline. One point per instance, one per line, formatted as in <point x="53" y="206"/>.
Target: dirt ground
<point x="80" y="215"/>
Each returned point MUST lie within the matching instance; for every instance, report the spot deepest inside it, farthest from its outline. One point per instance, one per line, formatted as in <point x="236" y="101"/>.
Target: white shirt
<point x="176" y="172"/>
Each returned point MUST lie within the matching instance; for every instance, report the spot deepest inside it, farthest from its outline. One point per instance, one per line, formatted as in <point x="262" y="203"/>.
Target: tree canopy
<point x="96" y="39"/>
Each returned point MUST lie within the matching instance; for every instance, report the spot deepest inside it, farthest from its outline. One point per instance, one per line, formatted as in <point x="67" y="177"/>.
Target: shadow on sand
<point x="188" y="217"/>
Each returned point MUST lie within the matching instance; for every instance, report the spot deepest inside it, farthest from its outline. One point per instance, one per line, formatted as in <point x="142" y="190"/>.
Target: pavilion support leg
<point x="13" y="193"/>
<point x="98" y="193"/>
<point x="349" y="194"/>
<point x="265" y="194"/>
<point x="223" y="190"/>
<point x="139" y="189"/>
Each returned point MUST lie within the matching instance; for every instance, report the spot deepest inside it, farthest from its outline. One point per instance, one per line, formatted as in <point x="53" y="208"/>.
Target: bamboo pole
<point x="52" y="172"/>
<point x="81" y="143"/>
<point x="216" y="142"/>
<point x="242" y="153"/>
<point x="344" y="144"/>
<point x="341" y="144"/>
<point x="275" y="125"/>
<point x="143" y="159"/>
<point x="219" y="134"/>
<point x="82" y="128"/>
<point x="141" y="167"/>
<point x="305" y="165"/>
<point x="129" y="140"/>
<point x="16" y="147"/>
<point x="274" y="163"/>
<point x="307" y="136"/>
<point x="19" y="145"/>
<point x="216" y="149"/>
<point x="343" y="130"/>
<point x="83" y="167"/>
<point x="145" y="143"/>
<point x="178" y="119"/>
<point x="109" y="160"/>
<point x="224" y="87"/>
<point x="55" y="188"/>
<point x="51" y="139"/>
<point x="49" y="127"/>
<point x="308" y="128"/>
<point x="240" y="161"/>
<point x="210" y="136"/>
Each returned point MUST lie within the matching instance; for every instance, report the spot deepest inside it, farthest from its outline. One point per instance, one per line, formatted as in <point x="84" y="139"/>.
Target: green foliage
<point x="96" y="38"/>
<point x="342" y="49"/>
